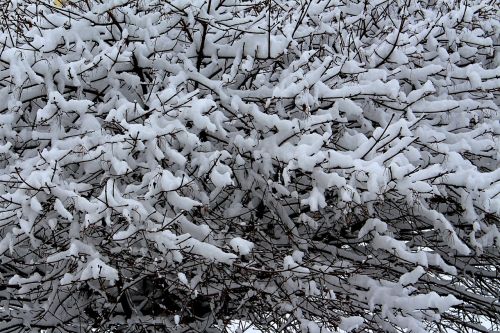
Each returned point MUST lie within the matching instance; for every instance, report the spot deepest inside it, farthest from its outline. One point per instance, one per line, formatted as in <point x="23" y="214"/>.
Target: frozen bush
<point x="303" y="166"/>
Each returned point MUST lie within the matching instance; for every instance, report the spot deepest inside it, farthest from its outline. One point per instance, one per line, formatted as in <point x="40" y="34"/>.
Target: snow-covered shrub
<point x="300" y="165"/>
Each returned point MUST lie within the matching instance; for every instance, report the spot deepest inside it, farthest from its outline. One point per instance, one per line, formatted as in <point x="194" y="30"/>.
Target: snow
<point x="96" y="268"/>
<point x="58" y="206"/>
<point x="241" y="246"/>
<point x="412" y="277"/>
<point x="351" y="323"/>
<point x="206" y="250"/>
<point x="312" y="157"/>
<point x="26" y="284"/>
<point x="372" y="224"/>
<point x="182" y="277"/>
<point x="5" y="243"/>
